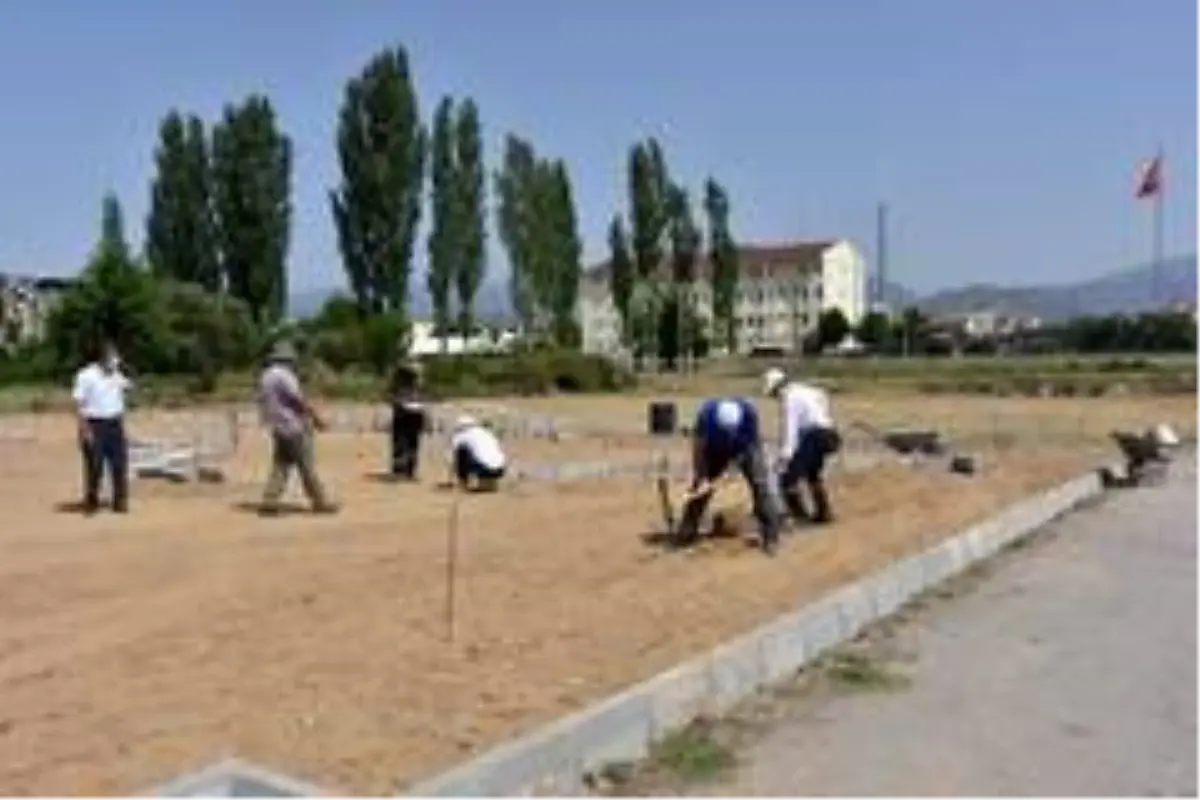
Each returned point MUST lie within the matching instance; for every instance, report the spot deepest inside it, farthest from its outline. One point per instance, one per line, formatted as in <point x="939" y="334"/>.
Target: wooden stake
<point x="451" y="562"/>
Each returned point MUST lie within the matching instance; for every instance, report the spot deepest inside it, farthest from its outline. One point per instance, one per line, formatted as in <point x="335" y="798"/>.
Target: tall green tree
<point x="565" y="254"/>
<point x="180" y="229"/>
<point x="516" y="216"/>
<point x="649" y="215"/>
<point x="381" y="144"/>
<point x="540" y="230"/>
<point x="723" y="261"/>
<point x="252" y="183"/>
<point x="621" y="274"/>
<point x="685" y="243"/>
<point x="648" y="206"/>
<point x="114" y="299"/>
<point x="443" y="243"/>
<point x="112" y="231"/>
<point x="470" y="182"/>
<point x="684" y="236"/>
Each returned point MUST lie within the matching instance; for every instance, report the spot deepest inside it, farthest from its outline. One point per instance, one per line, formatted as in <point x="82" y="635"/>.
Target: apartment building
<point x="781" y="292"/>
<point x="25" y="303"/>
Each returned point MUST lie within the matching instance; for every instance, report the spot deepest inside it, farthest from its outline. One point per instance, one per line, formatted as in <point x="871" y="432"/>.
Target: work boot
<point x="822" y="513"/>
<point x="795" y="506"/>
<point x="770" y="542"/>
<point x="326" y="508"/>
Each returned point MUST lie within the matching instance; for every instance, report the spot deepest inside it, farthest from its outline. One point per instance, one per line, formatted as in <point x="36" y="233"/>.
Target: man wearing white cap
<point x="726" y="433"/>
<point x="807" y="437"/>
<point x="476" y="455"/>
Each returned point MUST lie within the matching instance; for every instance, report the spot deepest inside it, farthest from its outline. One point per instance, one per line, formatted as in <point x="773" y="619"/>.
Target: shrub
<point x="531" y="372"/>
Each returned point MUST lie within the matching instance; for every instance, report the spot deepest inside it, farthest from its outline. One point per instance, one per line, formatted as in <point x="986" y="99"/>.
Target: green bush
<point x="527" y="373"/>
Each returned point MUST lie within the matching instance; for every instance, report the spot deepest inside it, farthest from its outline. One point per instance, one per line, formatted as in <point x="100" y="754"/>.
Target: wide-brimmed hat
<point x="282" y="350"/>
<point x="773" y="379"/>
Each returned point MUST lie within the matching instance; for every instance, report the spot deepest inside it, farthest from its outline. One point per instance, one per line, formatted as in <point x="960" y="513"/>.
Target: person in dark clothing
<point x="99" y="393"/>
<point x="409" y="420"/>
<point x="726" y="433"/>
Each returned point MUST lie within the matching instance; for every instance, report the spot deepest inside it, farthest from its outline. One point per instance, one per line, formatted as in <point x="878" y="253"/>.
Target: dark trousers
<point x="753" y="467"/>
<point x="105" y="446"/>
<point x="807" y="464"/>
<point x="467" y="467"/>
<point x="407" y="425"/>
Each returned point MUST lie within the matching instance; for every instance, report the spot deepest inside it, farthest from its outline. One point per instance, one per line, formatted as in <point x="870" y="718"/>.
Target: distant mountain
<point x="1128" y="291"/>
<point x="897" y="296"/>
<point x="492" y="303"/>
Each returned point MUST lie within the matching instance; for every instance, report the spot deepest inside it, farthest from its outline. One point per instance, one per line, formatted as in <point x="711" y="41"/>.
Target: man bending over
<point x="476" y="456"/>
<point x="727" y="433"/>
<point x="807" y="437"/>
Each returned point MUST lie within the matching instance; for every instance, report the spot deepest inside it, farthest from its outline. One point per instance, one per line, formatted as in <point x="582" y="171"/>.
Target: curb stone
<point x="557" y="758"/>
<point x="235" y="778"/>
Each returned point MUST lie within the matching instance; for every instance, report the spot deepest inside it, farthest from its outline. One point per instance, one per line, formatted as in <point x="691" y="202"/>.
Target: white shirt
<point x="100" y="394"/>
<point x="482" y="444"/>
<point x="802" y="408"/>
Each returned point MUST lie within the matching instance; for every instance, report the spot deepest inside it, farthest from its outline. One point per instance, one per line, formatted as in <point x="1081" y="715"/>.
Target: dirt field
<point x="136" y="647"/>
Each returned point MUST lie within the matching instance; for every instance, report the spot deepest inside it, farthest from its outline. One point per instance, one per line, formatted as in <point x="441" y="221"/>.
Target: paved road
<point x="1071" y="670"/>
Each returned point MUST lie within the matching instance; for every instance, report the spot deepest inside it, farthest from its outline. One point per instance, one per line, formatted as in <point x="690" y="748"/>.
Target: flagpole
<point x="1157" y="254"/>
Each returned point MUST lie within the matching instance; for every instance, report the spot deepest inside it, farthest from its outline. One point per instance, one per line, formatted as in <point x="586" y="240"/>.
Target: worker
<point x="476" y="457"/>
<point x="726" y="432"/>
<point x="291" y="419"/>
<point x="409" y="419"/>
<point x="99" y="391"/>
<point x="807" y="437"/>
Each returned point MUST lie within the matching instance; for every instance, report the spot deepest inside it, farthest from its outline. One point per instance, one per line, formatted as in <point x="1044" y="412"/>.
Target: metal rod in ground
<point x="451" y="563"/>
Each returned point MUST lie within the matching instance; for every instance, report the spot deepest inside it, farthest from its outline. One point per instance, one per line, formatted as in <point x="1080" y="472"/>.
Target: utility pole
<point x="881" y="257"/>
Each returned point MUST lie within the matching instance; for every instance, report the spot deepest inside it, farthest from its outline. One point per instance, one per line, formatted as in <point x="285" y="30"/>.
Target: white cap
<point x="464" y="422"/>
<point x="729" y="414"/>
<point x="1165" y="435"/>
<point x="773" y="379"/>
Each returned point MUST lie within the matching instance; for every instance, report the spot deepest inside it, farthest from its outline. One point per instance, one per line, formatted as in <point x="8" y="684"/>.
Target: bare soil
<point x="136" y="647"/>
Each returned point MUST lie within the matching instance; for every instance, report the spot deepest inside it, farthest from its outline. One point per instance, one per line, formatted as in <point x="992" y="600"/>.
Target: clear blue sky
<point x="1005" y="135"/>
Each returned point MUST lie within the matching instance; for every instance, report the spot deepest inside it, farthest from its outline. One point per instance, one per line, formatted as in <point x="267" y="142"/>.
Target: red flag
<point x="1151" y="180"/>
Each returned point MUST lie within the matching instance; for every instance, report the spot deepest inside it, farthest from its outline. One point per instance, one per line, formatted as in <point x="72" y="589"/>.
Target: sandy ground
<point x="136" y="647"/>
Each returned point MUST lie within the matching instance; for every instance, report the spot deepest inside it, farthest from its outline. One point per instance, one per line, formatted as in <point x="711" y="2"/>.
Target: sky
<point x="1004" y="135"/>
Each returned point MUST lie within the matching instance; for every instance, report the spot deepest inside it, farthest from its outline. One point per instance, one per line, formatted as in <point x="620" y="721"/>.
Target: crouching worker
<point x="807" y="438"/>
<point x="476" y="456"/>
<point x="727" y="433"/>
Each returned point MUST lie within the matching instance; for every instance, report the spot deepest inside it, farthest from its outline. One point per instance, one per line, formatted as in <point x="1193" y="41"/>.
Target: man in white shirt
<point x="291" y="420"/>
<point x="807" y="437"/>
<point x="99" y="392"/>
<point x="476" y="455"/>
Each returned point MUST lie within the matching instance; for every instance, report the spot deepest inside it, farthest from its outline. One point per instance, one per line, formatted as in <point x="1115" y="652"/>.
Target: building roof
<point x="763" y="256"/>
<point x="40" y="283"/>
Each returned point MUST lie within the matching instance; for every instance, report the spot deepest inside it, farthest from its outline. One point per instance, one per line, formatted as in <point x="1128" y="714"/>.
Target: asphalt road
<point x="1070" y="670"/>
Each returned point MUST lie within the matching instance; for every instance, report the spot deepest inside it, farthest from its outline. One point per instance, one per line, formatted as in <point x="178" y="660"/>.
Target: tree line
<point x="218" y="234"/>
<point x="913" y="332"/>
<point x="655" y="251"/>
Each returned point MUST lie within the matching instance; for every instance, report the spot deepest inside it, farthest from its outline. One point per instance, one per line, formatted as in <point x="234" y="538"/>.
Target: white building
<point x="25" y="305"/>
<point x="782" y="291"/>
<point x="425" y="342"/>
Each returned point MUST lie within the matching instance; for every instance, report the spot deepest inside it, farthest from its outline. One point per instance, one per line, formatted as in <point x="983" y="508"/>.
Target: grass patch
<point x="858" y="671"/>
<point x="694" y="753"/>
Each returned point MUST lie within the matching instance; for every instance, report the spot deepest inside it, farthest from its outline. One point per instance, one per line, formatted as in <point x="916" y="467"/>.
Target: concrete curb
<point x="235" y="778"/>
<point x="556" y="758"/>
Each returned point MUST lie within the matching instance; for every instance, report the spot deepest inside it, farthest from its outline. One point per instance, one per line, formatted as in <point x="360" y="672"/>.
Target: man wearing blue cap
<point x="727" y="433"/>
